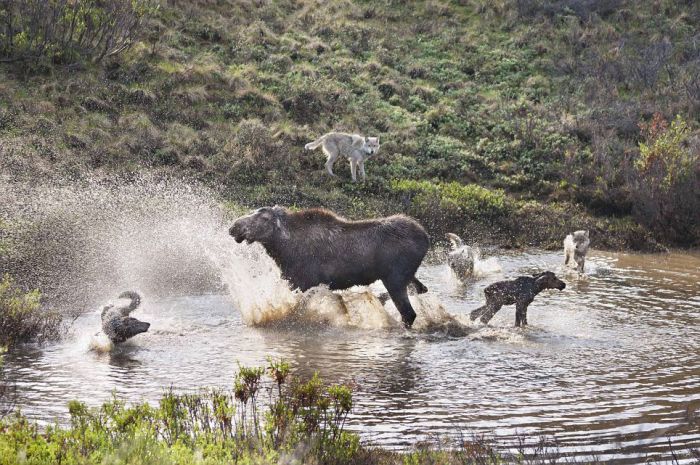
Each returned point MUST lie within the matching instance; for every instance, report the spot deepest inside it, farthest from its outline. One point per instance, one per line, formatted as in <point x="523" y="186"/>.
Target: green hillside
<point x="509" y="122"/>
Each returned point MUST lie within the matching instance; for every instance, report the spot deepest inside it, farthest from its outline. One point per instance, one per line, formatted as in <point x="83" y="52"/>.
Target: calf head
<point x="547" y="280"/>
<point x="263" y="225"/>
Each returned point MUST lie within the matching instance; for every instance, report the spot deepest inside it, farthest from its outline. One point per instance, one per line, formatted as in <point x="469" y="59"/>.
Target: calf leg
<point x="478" y="312"/>
<point x="399" y="295"/>
<point x="492" y="307"/>
<point x="486" y="312"/>
<point x="520" y="314"/>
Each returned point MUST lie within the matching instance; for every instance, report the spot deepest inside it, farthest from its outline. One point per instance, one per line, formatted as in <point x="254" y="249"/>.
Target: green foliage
<point x="667" y="180"/>
<point x="305" y="416"/>
<point x="454" y="198"/>
<point x="663" y="158"/>
<point x="63" y="31"/>
<point x="22" y="319"/>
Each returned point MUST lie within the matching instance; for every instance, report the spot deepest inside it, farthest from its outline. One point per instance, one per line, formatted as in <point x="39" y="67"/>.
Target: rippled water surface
<point x="609" y="367"/>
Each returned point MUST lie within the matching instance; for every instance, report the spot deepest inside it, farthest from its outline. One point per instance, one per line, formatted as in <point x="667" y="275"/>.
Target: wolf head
<point x="581" y="240"/>
<point x="371" y="145"/>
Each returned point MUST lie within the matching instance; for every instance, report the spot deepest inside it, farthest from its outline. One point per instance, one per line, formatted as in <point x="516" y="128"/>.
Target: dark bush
<point x="64" y="31"/>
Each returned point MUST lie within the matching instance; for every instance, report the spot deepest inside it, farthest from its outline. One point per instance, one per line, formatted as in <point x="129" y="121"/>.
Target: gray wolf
<point x="520" y="291"/>
<point x="116" y="322"/>
<point x="316" y="246"/>
<point x="461" y="257"/>
<point x="354" y="147"/>
<point x="575" y="248"/>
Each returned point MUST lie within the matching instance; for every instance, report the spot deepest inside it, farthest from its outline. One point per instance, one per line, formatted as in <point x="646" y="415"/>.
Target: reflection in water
<point x="610" y="366"/>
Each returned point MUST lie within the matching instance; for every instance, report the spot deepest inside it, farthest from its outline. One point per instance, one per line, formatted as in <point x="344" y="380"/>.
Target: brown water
<point x="609" y="367"/>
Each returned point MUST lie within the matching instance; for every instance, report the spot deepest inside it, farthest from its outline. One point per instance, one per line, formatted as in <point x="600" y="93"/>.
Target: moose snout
<point x="237" y="231"/>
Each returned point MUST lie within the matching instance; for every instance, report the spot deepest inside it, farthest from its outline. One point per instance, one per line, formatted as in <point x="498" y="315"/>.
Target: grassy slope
<point x="467" y="92"/>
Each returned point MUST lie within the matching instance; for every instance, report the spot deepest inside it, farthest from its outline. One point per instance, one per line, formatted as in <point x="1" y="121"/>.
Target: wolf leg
<point x="329" y="162"/>
<point x="353" y="169"/>
<point x="362" y="169"/>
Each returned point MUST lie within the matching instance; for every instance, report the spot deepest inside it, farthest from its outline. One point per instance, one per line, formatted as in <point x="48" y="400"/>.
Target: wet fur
<point x="575" y="249"/>
<point x="460" y="258"/>
<point x="316" y="246"/>
<point x="117" y="325"/>
<point x="520" y="291"/>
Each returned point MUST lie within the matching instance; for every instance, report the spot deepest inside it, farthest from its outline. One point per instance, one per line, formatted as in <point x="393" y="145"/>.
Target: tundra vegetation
<point x="506" y="122"/>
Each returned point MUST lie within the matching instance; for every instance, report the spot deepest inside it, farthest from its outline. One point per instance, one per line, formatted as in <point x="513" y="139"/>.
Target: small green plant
<point x="22" y="318"/>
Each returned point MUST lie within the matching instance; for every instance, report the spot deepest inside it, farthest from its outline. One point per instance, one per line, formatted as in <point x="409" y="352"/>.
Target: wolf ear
<point x="586" y="233"/>
<point x="366" y="140"/>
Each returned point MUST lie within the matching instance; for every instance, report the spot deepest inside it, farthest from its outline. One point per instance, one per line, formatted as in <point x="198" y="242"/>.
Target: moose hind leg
<point x="399" y="295"/>
<point x="419" y="286"/>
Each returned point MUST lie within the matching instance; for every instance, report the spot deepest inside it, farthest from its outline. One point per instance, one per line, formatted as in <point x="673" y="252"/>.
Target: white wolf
<point x="575" y="249"/>
<point x="461" y="257"/>
<point x="354" y="147"/>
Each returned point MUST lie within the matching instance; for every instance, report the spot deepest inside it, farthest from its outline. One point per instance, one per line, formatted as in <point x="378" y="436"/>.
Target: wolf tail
<point x="455" y="240"/>
<point x="315" y="144"/>
<point x="135" y="299"/>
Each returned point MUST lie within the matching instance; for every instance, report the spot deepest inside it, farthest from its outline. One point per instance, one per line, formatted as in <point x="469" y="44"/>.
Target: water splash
<point x="84" y="242"/>
<point x="485" y="267"/>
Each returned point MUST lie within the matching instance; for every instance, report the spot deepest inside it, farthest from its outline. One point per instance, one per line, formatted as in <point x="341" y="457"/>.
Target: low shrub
<point x="456" y="198"/>
<point x="63" y="31"/>
<point x="303" y="418"/>
<point x="22" y="318"/>
<point x="667" y="180"/>
<point x="449" y="207"/>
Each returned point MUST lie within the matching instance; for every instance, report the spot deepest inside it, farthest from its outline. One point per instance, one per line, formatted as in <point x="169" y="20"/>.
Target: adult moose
<point x="316" y="246"/>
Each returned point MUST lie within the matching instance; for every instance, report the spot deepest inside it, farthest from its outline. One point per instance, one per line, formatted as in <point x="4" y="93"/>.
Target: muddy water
<point x="609" y="367"/>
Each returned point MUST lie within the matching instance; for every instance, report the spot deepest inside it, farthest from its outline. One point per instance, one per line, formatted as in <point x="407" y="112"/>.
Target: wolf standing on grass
<point x="354" y="147"/>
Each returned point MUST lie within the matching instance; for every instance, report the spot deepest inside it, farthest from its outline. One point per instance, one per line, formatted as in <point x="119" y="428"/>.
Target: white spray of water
<point x="83" y="243"/>
<point x="485" y="267"/>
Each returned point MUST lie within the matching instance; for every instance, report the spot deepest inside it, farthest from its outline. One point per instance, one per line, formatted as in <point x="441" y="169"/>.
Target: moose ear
<point x="284" y="232"/>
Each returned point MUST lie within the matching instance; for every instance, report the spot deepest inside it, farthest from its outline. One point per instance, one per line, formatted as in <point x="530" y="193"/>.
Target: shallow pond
<point x="609" y="367"/>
